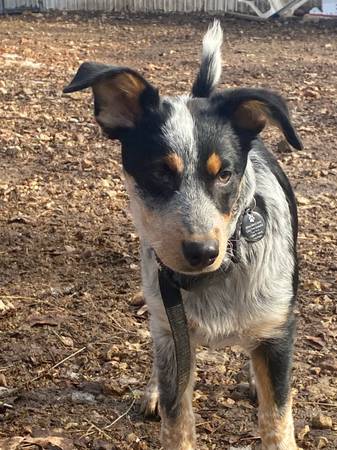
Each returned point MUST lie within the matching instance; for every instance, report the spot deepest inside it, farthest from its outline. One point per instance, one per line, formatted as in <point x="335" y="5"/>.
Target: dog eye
<point x="224" y="176"/>
<point x="161" y="179"/>
<point x="161" y="173"/>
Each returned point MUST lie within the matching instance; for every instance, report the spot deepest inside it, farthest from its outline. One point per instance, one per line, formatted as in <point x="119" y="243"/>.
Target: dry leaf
<point x="6" y="306"/>
<point x="316" y="341"/>
<point x="18" y="443"/>
<point x="142" y="310"/>
<point x="43" y="319"/>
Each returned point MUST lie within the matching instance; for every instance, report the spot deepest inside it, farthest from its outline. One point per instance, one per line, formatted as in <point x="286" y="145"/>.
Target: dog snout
<point x="201" y="253"/>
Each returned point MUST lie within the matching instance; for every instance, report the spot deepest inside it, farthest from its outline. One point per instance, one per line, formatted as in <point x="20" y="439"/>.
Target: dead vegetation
<point x="75" y="350"/>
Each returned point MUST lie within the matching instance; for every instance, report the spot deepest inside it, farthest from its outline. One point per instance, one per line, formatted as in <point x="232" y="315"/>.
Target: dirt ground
<point x="75" y="352"/>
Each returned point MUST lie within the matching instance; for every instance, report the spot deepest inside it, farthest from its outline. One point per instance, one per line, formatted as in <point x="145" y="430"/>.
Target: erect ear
<point x="121" y="95"/>
<point x="251" y="109"/>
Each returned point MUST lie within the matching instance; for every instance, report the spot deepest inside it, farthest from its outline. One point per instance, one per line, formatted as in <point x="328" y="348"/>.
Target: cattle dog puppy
<point x="194" y="165"/>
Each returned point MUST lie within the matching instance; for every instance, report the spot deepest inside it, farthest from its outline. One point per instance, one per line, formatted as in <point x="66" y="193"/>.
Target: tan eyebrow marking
<point x="174" y="162"/>
<point x="214" y="164"/>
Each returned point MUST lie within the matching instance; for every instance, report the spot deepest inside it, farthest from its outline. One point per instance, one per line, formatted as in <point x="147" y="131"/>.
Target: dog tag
<point x="253" y="226"/>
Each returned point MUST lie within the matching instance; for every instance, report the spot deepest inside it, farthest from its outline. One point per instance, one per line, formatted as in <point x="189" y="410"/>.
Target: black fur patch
<point x="278" y="354"/>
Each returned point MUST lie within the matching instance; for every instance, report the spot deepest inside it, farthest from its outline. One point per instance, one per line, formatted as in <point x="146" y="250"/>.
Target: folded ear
<point x="120" y="94"/>
<point x="252" y="109"/>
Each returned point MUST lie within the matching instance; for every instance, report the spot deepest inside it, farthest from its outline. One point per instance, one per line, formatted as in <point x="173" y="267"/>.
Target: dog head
<point x="184" y="157"/>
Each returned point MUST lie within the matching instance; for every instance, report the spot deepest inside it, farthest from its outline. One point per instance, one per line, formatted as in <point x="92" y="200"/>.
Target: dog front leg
<point x="178" y="426"/>
<point x="149" y="404"/>
<point x="271" y="362"/>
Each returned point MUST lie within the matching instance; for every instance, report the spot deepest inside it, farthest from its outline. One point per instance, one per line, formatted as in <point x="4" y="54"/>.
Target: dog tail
<point x="210" y="68"/>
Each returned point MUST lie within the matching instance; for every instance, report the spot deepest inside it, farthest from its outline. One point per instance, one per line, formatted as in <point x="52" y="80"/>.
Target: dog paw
<point x="149" y="403"/>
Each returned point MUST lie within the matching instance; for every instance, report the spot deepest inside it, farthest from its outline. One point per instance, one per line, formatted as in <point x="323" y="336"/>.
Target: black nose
<point x="201" y="253"/>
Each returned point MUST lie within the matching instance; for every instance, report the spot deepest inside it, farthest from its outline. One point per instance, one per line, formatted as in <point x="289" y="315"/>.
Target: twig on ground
<point x="67" y="358"/>
<point x="120" y="326"/>
<point x="250" y="438"/>
<point x="106" y="435"/>
<point x="56" y="365"/>
<point x="203" y="423"/>
<point x="87" y="433"/>
<point x="121" y="416"/>
<point x="58" y="336"/>
<point x="307" y="402"/>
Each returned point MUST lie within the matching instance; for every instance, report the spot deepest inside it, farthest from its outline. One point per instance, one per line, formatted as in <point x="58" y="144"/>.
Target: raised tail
<point x="210" y="68"/>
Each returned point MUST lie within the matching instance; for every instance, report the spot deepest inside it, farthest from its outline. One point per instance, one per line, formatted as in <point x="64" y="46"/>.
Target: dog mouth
<point x="192" y="272"/>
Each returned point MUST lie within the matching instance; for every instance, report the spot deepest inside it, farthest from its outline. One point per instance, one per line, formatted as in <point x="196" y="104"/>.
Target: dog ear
<point x="251" y="109"/>
<point x="120" y="94"/>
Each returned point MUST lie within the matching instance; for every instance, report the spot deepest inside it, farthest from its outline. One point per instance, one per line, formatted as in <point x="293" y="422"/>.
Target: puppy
<point x="199" y="179"/>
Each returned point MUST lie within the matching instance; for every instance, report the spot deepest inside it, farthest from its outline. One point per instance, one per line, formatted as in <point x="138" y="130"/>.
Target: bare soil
<point x="75" y="348"/>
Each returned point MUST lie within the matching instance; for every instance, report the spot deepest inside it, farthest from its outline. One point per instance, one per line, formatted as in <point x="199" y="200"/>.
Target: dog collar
<point x="251" y="226"/>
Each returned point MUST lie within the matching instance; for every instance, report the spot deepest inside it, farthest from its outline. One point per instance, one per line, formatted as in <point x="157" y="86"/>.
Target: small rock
<point x="82" y="397"/>
<point x="303" y="432"/>
<point x="321" y="422"/>
<point x="322" y="442"/>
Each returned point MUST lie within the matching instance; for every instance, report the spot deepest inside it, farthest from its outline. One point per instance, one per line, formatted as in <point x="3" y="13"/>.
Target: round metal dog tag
<point x="253" y="226"/>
